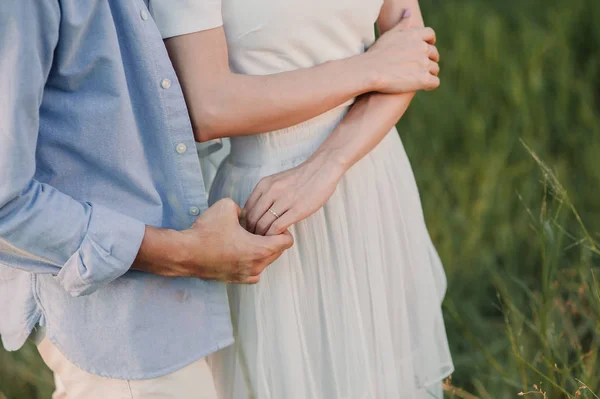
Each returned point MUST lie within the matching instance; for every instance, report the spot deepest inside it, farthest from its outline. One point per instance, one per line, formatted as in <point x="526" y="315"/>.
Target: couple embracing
<point x="310" y="248"/>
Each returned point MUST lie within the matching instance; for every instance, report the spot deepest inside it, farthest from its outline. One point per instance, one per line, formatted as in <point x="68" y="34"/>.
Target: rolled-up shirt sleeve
<point x="43" y="230"/>
<point x="180" y="17"/>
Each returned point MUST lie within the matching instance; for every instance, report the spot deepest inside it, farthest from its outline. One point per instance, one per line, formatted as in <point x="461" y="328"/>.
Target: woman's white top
<point x="263" y="39"/>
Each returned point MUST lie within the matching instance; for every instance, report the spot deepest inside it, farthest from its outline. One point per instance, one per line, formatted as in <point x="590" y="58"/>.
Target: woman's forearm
<point x="230" y="104"/>
<point x="368" y="122"/>
<point x="374" y="114"/>
<point x="259" y="104"/>
<point x="299" y="192"/>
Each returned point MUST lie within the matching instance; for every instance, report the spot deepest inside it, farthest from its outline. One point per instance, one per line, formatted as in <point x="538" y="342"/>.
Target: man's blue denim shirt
<point x="95" y="143"/>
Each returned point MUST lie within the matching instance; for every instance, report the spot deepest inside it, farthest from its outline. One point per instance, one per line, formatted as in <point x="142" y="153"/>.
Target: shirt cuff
<point x="175" y="18"/>
<point x="107" y="251"/>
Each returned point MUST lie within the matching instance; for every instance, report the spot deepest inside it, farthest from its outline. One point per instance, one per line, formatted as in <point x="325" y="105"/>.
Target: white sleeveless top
<point x="272" y="36"/>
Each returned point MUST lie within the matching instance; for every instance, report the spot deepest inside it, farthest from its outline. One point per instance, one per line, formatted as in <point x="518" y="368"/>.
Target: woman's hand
<point x="406" y="59"/>
<point x="293" y="195"/>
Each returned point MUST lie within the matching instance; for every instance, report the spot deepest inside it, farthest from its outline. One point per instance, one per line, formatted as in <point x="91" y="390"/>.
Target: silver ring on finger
<point x="274" y="213"/>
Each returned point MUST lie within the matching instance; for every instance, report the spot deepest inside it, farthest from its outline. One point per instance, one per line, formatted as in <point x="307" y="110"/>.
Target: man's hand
<point x="216" y="248"/>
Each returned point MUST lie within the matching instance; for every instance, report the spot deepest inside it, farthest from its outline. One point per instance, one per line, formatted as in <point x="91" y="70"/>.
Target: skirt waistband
<point x="298" y="141"/>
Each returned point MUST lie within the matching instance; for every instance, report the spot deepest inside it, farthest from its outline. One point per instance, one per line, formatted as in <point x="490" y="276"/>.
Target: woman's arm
<point x="375" y="114"/>
<point x="299" y="192"/>
<point x="225" y="104"/>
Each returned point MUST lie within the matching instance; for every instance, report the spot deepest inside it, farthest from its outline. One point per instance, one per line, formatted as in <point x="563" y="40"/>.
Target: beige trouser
<point x="192" y="382"/>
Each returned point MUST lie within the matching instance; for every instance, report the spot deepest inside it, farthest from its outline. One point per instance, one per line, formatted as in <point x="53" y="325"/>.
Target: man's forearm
<point x="162" y="253"/>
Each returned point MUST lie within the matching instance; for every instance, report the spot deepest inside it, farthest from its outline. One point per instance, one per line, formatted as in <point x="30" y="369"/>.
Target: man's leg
<point x="192" y="382"/>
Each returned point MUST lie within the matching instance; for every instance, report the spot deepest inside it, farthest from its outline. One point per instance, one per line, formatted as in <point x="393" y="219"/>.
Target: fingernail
<point x="406" y="13"/>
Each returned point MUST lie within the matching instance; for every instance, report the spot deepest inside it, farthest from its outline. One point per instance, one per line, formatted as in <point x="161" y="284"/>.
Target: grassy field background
<point x="518" y="239"/>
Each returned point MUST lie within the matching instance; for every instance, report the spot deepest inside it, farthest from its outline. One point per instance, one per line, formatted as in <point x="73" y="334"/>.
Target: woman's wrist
<point x="367" y="75"/>
<point x="332" y="159"/>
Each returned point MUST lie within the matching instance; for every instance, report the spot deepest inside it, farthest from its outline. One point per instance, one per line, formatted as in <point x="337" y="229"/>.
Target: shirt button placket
<point x="181" y="148"/>
<point x="165" y="83"/>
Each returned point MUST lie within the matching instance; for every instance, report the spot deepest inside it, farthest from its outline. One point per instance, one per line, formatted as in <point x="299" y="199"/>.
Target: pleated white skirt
<point x="353" y="310"/>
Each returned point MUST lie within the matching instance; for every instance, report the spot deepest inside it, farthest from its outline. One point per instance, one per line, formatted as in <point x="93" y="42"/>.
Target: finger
<point x="250" y="280"/>
<point x="433" y="53"/>
<point x="268" y="261"/>
<point x="280" y="207"/>
<point x="256" y="194"/>
<point x="255" y="275"/>
<point x="284" y="222"/>
<point x="257" y="211"/>
<point x="237" y="272"/>
<point x="434" y="68"/>
<point x="405" y="21"/>
<point x="254" y="197"/>
<point x="428" y="35"/>
<point x="228" y="205"/>
<point x="433" y="82"/>
<point x="274" y="243"/>
<point x="264" y="223"/>
<point x="243" y="220"/>
<point x="249" y="275"/>
<point x="262" y="264"/>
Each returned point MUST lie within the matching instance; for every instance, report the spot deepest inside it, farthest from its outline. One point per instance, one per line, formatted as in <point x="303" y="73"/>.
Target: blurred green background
<point x="518" y="239"/>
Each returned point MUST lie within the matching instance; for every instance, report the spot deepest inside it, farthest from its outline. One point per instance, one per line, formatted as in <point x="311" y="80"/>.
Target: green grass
<point x="523" y="304"/>
<point x="521" y="294"/>
<point x="23" y="375"/>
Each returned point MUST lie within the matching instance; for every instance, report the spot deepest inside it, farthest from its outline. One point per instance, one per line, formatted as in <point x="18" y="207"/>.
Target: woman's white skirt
<point x="353" y="309"/>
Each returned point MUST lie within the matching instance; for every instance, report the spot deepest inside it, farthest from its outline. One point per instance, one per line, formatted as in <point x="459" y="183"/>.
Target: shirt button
<point x="194" y="211"/>
<point x="144" y="15"/>
<point x="181" y="148"/>
<point x="165" y="84"/>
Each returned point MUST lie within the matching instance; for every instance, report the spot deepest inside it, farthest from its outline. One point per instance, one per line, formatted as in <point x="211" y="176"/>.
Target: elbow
<point x="5" y="199"/>
<point x="202" y="133"/>
<point x="9" y="195"/>
<point x="209" y="122"/>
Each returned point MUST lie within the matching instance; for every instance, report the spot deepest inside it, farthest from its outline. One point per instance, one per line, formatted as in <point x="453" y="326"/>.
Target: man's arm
<point x="87" y="245"/>
<point x="41" y="229"/>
